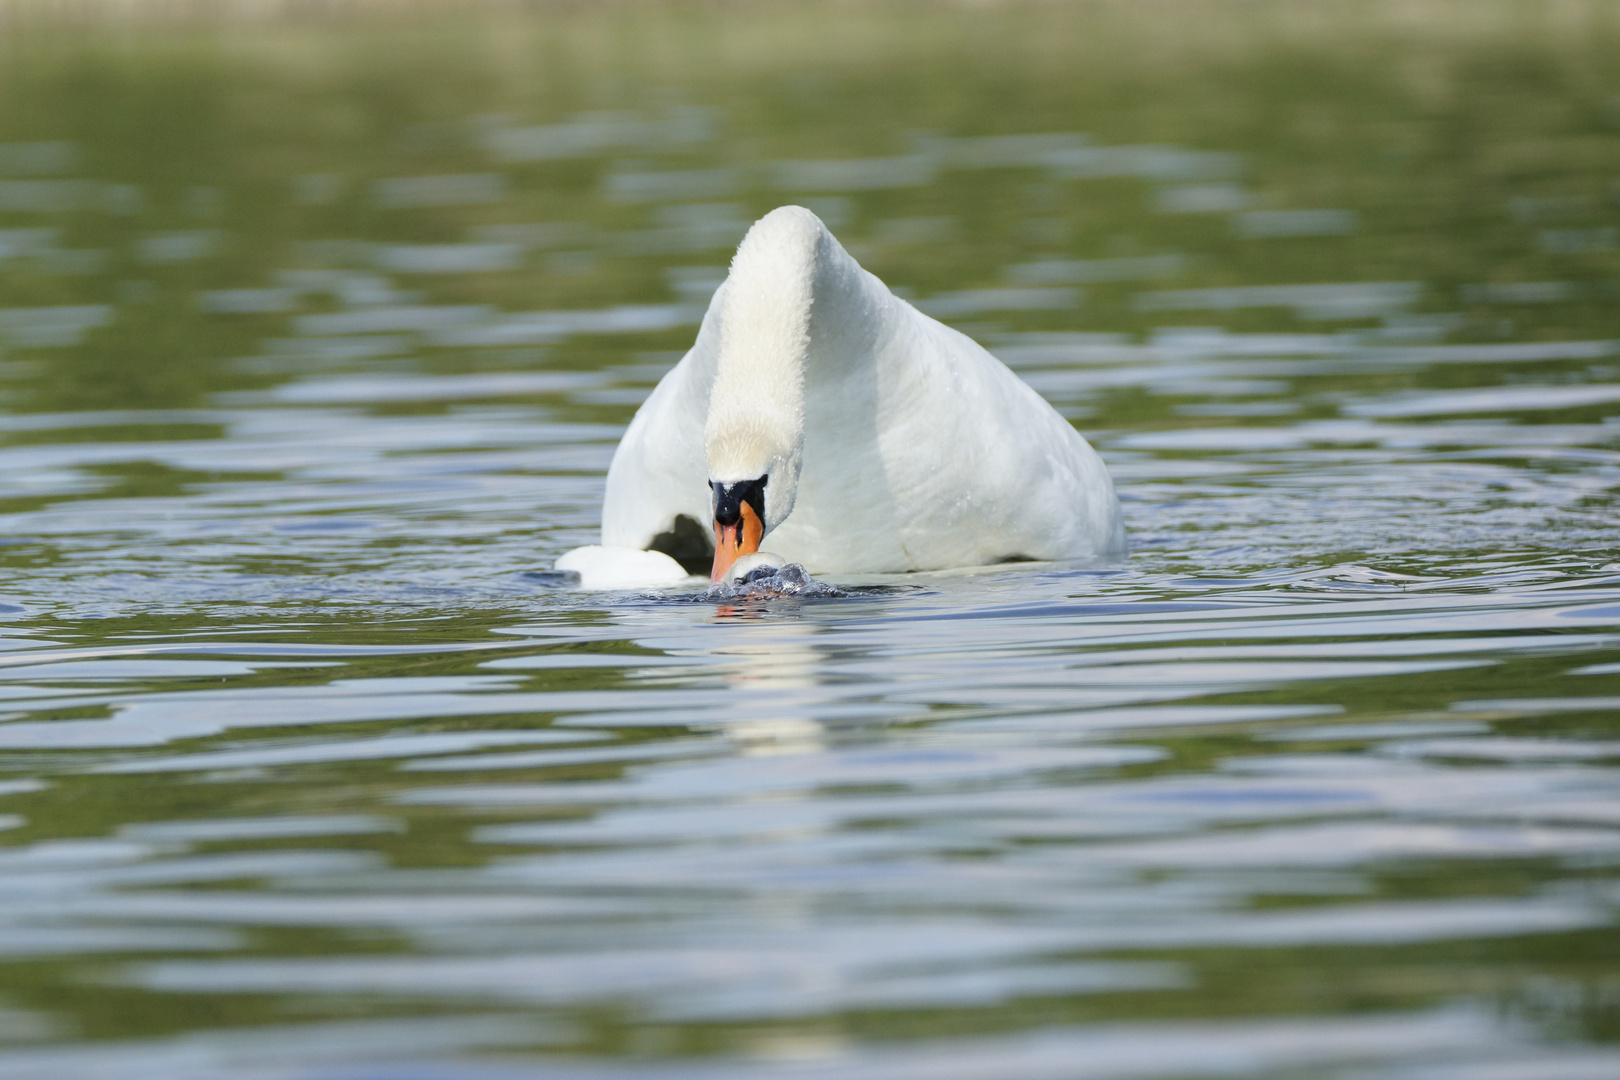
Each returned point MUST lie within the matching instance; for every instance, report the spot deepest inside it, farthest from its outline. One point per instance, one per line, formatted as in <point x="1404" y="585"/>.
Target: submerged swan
<point x="821" y="412"/>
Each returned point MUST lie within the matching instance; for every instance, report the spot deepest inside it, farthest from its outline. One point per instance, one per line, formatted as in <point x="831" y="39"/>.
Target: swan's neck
<point x="755" y="425"/>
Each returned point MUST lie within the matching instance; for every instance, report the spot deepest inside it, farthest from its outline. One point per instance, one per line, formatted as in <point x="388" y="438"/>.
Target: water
<point x="318" y="340"/>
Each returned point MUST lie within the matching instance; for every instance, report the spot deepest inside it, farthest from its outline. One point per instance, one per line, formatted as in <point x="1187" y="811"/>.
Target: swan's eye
<point x="729" y="500"/>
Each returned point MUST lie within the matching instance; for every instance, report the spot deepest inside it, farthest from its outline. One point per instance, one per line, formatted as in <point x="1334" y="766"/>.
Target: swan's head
<point x="746" y="509"/>
<point x="754" y="442"/>
<point x="754" y="435"/>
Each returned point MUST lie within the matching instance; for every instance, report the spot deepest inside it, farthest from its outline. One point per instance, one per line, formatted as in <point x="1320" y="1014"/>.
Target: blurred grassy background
<point x="1424" y="120"/>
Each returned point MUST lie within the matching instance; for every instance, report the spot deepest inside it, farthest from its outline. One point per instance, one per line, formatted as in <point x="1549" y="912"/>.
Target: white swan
<point x="821" y="411"/>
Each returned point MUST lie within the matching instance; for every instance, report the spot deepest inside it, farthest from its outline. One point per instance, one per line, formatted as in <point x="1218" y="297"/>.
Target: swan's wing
<point x="659" y="470"/>
<point x="1007" y="474"/>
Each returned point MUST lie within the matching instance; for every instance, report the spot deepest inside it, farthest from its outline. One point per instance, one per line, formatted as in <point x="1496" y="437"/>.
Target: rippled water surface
<point x="318" y="340"/>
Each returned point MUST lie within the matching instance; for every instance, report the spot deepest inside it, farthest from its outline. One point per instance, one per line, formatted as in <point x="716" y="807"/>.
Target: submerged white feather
<point x="620" y="568"/>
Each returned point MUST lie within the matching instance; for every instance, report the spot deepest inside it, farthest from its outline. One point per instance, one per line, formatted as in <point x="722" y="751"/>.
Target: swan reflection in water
<point x="774" y="673"/>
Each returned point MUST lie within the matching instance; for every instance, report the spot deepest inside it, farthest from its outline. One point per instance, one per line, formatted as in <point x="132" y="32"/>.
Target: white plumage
<point x="890" y="441"/>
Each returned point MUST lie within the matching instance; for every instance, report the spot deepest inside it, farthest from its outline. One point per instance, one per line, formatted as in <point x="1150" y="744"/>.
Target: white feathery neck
<point x="755" y="425"/>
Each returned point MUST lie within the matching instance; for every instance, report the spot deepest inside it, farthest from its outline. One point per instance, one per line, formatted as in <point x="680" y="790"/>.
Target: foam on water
<point x="768" y="582"/>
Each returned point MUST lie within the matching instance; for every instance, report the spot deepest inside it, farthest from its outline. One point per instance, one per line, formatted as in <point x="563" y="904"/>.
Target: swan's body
<point x="881" y="439"/>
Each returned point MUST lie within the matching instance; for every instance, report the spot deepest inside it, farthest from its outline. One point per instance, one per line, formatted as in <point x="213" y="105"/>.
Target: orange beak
<point x="733" y="541"/>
